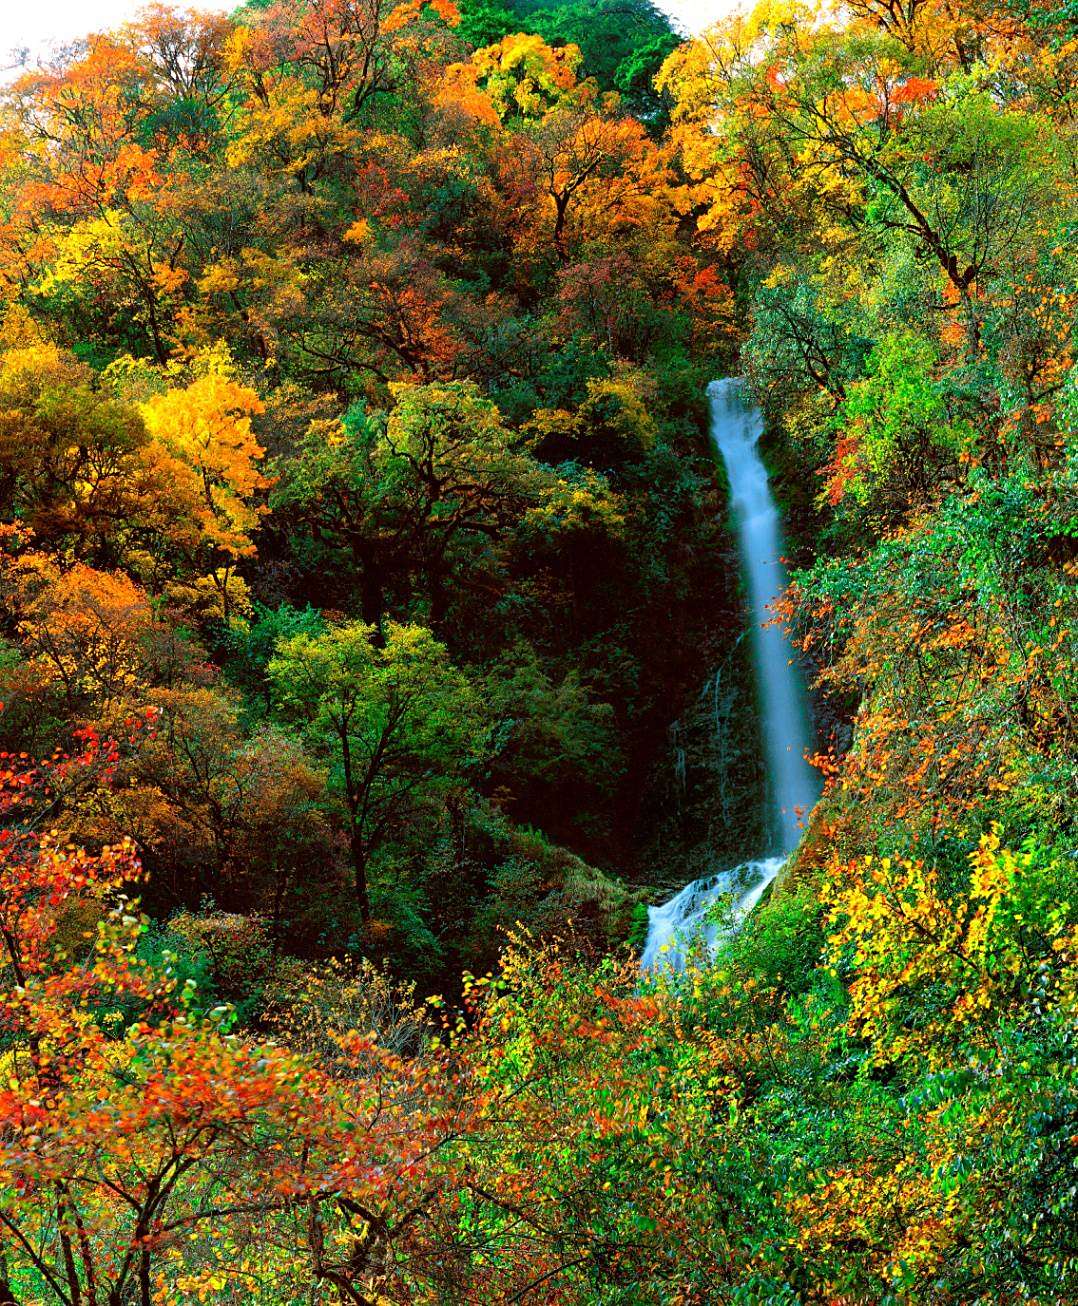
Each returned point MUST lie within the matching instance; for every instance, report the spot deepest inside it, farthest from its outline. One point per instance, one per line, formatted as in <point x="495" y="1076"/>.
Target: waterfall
<point x="689" y="919"/>
<point x="736" y="427"/>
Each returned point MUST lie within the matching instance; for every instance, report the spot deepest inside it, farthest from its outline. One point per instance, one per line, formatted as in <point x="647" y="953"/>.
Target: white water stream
<point x="689" y="919"/>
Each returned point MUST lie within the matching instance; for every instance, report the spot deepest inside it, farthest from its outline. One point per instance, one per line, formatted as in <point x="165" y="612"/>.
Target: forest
<point x="373" y="655"/>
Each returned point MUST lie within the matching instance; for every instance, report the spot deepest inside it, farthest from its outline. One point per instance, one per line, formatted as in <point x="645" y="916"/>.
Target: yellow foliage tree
<point x="202" y="434"/>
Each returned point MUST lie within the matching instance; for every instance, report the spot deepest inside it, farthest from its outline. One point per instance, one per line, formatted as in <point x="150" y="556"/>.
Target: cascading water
<point x="736" y="427"/>
<point x="689" y="919"/>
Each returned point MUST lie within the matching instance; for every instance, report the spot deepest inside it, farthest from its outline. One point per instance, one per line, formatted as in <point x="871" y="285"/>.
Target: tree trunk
<point x="359" y="869"/>
<point x="7" y="1297"/>
<point x="561" y="208"/>
<point x="355" y="834"/>
<point x="371" y="592"/>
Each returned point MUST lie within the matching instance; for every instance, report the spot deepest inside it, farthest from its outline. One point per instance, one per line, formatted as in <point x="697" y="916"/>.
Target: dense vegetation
<point x="359" y="543"/>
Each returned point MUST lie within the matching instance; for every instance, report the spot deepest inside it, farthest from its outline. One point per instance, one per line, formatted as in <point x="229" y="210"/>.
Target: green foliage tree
<point x="397" y="721"/>
<point x="623" y="42"/>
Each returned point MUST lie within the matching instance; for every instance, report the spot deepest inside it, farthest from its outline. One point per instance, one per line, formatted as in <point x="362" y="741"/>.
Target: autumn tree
<point x="139" y="1135"/>
<point x="456" y="473"/>
<point x="330" y="495"/>
<point x="590" y="1168"/>
<point x="204" y="444"/>
<point x="220" y="812"/>
<point x="86" y="630"/>
<point x="311" y="77"/>
<point x="434" y="493"/>
<point x="74" y="467"/>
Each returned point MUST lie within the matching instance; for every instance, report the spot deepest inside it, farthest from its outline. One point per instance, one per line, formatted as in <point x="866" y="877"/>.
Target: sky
<point x="695" y="15"/>
<point x="35" y="23"/>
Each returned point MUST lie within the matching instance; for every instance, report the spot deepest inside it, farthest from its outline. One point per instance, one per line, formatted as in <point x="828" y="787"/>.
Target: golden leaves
<point x="205" y="428"/>
<point x="908" y="935"/>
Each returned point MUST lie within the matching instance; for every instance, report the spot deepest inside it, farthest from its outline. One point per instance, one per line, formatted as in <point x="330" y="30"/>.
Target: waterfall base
<point x="704" y="912"/>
